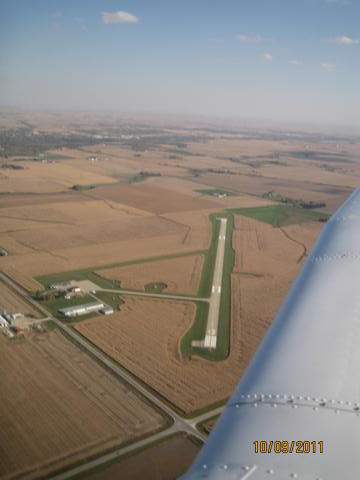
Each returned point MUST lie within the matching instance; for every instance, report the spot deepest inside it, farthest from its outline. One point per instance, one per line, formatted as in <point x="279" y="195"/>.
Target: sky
<point x="288" y="60"/>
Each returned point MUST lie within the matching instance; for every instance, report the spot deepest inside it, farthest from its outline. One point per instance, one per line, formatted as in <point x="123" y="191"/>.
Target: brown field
<point x="25" y="199"/>
<point x="97" y="232"/>
<point x="46" y="227"/>
<point x="152" y="199"/>
<point x="181" y="275"/>
<point x="166" y="461"/>
<point x="256" y="184"/>
<point x="71" y="235"/>
<point x="59" y="407"/>
<point x="13" y="303"/>
<point x="60" y="173"/>
<point x="266" y="265"/>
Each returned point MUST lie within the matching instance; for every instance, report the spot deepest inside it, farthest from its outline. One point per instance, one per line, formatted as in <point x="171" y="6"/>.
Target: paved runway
<point x="210" y="340"/>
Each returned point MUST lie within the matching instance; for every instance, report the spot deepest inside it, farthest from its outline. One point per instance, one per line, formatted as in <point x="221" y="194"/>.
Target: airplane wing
<point x="303" y="384"/>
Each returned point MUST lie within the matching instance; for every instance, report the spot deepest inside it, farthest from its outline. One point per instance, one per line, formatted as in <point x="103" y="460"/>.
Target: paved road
<point x="214" y="308"/>
<point x="155" y="295"/>
<point x="180" y="424"/>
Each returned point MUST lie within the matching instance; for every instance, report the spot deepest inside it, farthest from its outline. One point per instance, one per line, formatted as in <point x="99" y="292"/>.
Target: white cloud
<point x="329" y="67"/>
<point x="344" y="40"/>
<point x="268" y="56"/>
<point x="119" y="17"/>
<point x="249" y="39"/>
<point x="294" y="62"/>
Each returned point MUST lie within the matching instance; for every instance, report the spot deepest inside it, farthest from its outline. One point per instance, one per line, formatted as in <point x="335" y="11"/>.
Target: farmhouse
<point x="81" y="309"/>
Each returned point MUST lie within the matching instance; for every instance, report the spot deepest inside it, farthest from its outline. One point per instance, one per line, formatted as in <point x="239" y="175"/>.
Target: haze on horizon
<point x="271" y="59"/>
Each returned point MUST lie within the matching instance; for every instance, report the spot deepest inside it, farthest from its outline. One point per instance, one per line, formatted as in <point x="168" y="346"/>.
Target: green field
<point x="85" y="274"/>
<point x="281" y="215"/>
<point x="112" y="299"/>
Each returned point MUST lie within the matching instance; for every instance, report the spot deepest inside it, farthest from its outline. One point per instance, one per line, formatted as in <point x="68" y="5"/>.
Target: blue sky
<point x="275" y="59"/>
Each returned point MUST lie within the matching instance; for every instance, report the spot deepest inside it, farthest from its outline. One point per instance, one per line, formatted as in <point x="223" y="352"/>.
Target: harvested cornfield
<point x="18" y="275"/>
<point x="96" y="232"/>
<point x="59" y="407"/>
<point x="262" y="249"/>
<point x="181" y="275"/>
<point x="144" y="337"/>
<point x="198" y="226"/>
<point x="152" y="199"/>
<point x="13" y="303"/>
<point x="165" y="461"/>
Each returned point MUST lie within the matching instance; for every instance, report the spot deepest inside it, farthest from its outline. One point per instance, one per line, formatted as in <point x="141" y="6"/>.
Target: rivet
<point x="271" y="472"/>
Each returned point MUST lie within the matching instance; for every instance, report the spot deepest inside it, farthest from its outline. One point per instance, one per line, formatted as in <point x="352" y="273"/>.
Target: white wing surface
<point x="304" y="381"/>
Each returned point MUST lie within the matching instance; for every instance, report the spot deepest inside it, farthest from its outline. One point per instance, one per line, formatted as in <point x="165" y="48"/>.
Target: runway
<point x="211" y="334"/>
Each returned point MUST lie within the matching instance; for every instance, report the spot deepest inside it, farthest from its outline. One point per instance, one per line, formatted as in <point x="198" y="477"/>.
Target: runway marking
<point x="213" y="289"/>
<point x="219" y="289"/>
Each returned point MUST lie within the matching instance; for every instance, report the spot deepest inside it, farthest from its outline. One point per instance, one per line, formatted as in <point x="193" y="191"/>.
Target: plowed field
<point x="59" y="407"/>
<point x="181" y="275"/>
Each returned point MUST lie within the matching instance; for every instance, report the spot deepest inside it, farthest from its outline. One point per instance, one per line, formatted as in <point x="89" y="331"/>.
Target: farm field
<point x="281" y="215"/>
<point x="208" y="425"/>
<point x="266" y="263"/>
<point x="67" y="407"/>
<point x="179" y="275"/>
<point x="165" y="461"/>
<point x="13" y="303"/>
<point x="47" y="227"/>
<point x="153" y="199"/>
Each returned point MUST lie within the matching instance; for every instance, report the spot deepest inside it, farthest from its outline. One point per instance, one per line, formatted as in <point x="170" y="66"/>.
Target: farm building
<point x="61" y="287"/>
<point x="107" y="310"/>
<point x="81" y="309"/>
<point x="9" y="318"/>
<point x="3" y="322"/>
